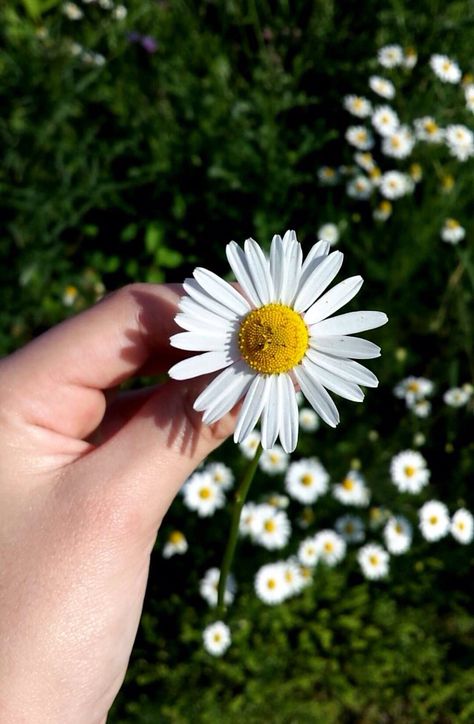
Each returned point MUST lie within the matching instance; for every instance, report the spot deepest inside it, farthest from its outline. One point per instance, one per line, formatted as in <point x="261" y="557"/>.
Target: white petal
<point x="196" y="292"/>
<point x="204" y="324"/>
<point x="270" y="414"/>
<point x="259" y="268"/>
<point x="349" y="323"/>
<point x="222" y="291"/>
<point x="239" y="265"/>
<point x="288" y="413"/>
<point x="354" y="347"/>
<point x="352" y="371"/>
<point x="333" y="300"/>
<point x="224" y="392"/>
<point x="252" y="407"/>
<point x="277" y="267"/>
<point x="317" y="396"/>
<point x="200" y="364"/>
<point x="315" y="256"/>
<point x="318" y="280"/>
<point x="195" y="342"/>
<point x="334" y="382"/>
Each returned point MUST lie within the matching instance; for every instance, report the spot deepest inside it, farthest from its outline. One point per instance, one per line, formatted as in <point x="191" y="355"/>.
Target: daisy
<point x="374" y="561"/>
<point x="383" y="211"/>
<point x="216" y="638"/>
<point x="426" y="129"/>
<point x="306" y="480"/>
<point x="420" y="408"/>
<point x="382" y="87"/>
<point x="309" y="421"/>
<point x="409" y="472"/>
<point x="416" y="172"/>
<point x="220" y="474"/>
<point x="274" y="460"/>
<point x="413" y="388"/>
<point x="469" y="96"/>
<point x="360" y="137"/>
<point x="390" y="56"/>
<point x="176" y="543"/>
<point x="410" y="59"/>
<point x="330" y="547"/>
<point x="210" y="582"/>
<point x="203" y="495"/>
<point x="446" y="69"/>
<point x="462" y="526"/>
<point x="351" y="528"/>
<point x="70" y="295"/>
<point x="278" y="501"/>
<point x="359" y="187"/>
<point x="270" y="527"/>
<point x="434" y="520"/>
<point x="328" y="176"/>
<point x="357" y="105"/>
<point x="248" y="518"/>
<point x="395" y="184"/>
<point x="249" y="445"/>
<point x="456" y="397"/>
<point x="279" y="334"/>
<point x="365" y="160"/>
<point x="330" y="233"/>
<point x="352" y="490"/>
<point x="397" y="535"/>
<point x="72" y="11"/>
<point x="271" y="585"/>
<point x="385" y="120"/>
<point x="293" y="576"/>
<point x="308" y="552"/>
<point x="452" y="231"/>
<point x="460" y="141"/>
<point x="398" y="144"/>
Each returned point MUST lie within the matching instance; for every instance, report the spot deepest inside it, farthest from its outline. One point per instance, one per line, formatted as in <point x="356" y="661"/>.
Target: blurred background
<point x="137" y="140"/>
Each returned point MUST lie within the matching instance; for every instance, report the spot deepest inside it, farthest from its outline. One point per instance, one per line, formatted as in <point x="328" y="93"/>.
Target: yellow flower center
<point x="461" y="525"/>
<point x="409" y="471"/>
<point x="431" y="126"/>
<point x="271" y="583"/>
<point x="328" y="547"/>
<point x="176" y="537"/>
<point x="270" y="526"/>
<point x="413" y="387"/>
<point x="204" y="493"/>
<point x="306" y="479"/>
<point x="358" y="103"/>
<point x="273" y="339"/>
<point x="385" y="206"/>
<point x="373" y="560"/>
<point x="217" y="637"/>
<point x="348" y="484"/>
<point x="452" y="224"/>
<point x="398" y="528"/>
<point x="434" y="519"/>
<point x="349" y="528"/>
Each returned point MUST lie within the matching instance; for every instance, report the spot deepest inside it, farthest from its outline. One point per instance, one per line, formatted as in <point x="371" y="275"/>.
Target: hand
<point x="85" y="480"/>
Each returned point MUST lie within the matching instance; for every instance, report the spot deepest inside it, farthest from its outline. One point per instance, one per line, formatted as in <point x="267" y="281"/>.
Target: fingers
<point x="56" y="381"/>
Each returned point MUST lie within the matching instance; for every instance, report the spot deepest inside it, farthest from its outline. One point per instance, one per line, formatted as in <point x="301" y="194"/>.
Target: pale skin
<point x="86" y="477"/>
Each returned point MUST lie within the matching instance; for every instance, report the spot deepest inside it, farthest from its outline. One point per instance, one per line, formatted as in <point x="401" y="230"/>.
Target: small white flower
<point x="248" y="517"/>
<point x="446" y="69"/>
<point x="365" y="160"/>
<point x="329" y="233"/>
<point x="398" y="144"/>
<point x="306" y="480"/>
<point x="409" y="472"/>
<point x="281" y="502"/>
<point x="360" y="137"/>
<point x="420" y="408"/>
<point x="249" y="445"/>
<point x="328" y="176"/>
<point x="270" y="527"/>
<point x="220" y="474"/>
<point x="460" y="141"/>
<point x="274" y="461"/>
<point x="398" y="535"/>
<point x="309" y="421"/>
<point x="308" y="552"/>
<point x="394" y="184"/>
<point x="352" y="490"/>
<point x="359" y="187"/>
<point x="373" y="560"/>
<point x="385" y="120"/>
<point x="462" y="526"/>
<point x="330" y="547"/>
<point x="426" y="129"/>
<point x="410" y="59"/>
<point x="358" y="106"/>
<point x="456" y="397"/>
<point x="209" y="584"/>
<point x="271" y="585"/>
<point x="293" y="576"/>
<point x="382" y="87"/>
<point x="452" y="231"/>
<point x="176" y="544"/>
<point x="72" y="11"/>
<point x="383" y="211"/>
<point x="413" y="388"/>
<point x="203" y="495"/>
<point x="351" y="528"/>
<point x="469" y="96"/>
<point x="70" y="295"/>
<point x="434" y="520"/>
<point x="216" y="638"/>
<point x="390" y="56"/>
<point x="119" y="12"/>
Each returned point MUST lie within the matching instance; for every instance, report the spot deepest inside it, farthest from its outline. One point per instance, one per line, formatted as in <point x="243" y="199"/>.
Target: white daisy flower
<point x="360" y="137"/>
<point x="176" y="544"/>
<point x="274" y="460"/>
<point x="309" y="421"/>
<point x="271" y="585"/>
<point x="420" y="408"/>
<point x="329" y="233"/>
<point x="469" y="96"/>
<point x="434" y="520"/>
<point x="358" y="106"/>
<point x="394" y="185"/>
<point x="293" y="576"/>
<point x="452" y="231"/>
<point x="209" y="584"/>
<point x="446" y="69"/>
<point x="359" y="187"/>
<point x="351" y="528"/>
<point x="383" y="211"/>
<point x="249" y="445"/>
<point x="382" y="87"/>
<point x="413" y="388"/>
<point x="119" y="12"/>
<point x="390" y="56"/>
<point x="456" y="397"/>
<point x="328" y="176"/>
<point x="352" y="490"/>
<point x="385" y="120"/>
<point x="398" y="535"/>
<point x="410" y="59"/>
<point x="330" y="547"/>
<point x="202" y="495"/>
<point x="248" y="517"/>
<point x="373" y="560"/>
<point x="279" y="334"/>
<point x="416" y="172"/>
<point x="72" y="11"/>
<point x="398" y="144"/>
<point x="409" y="472"/>
<point x="460" y="141"/>
<point x="365" y="160"/>
<point x="306" y="480"/>
<point x="270" y="527"/>
<point x="308" y="552"/>
<point x="426" y="129"/>
<point x="220" y="474"/>
<point x="462" y="526"/>
<point x="216" y="638"/>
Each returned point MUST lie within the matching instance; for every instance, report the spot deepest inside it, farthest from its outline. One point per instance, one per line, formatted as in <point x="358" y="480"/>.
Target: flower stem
<point x="239" y="500"/>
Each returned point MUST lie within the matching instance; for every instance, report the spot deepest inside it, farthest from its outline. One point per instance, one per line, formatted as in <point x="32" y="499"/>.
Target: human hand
<point x="84" y="484"/>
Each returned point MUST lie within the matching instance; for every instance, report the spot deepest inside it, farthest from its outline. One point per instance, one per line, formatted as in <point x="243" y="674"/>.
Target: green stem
<point x="239" y="500"/>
